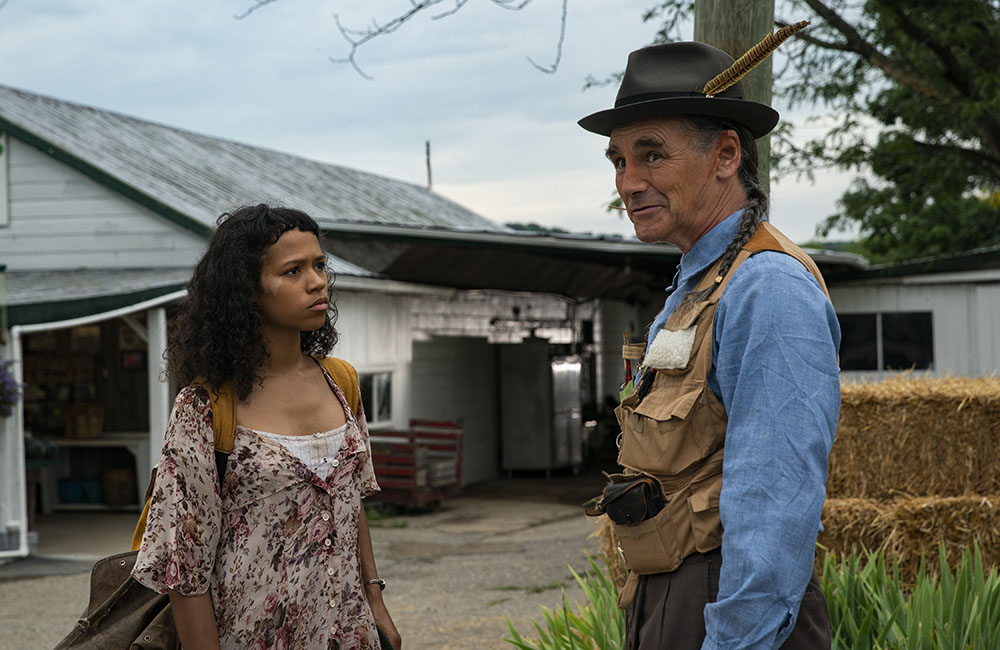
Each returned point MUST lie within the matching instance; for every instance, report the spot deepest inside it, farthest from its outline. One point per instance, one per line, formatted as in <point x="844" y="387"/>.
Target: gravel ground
<point x="454" y="575"/>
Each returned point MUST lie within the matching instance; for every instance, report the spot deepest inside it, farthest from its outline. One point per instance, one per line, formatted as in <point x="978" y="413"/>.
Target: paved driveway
<point x="454" y="576"/>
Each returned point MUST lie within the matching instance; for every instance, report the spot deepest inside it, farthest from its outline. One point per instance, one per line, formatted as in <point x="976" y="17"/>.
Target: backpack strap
<point x="346" y="378"/>
<point x="224" y="430"/>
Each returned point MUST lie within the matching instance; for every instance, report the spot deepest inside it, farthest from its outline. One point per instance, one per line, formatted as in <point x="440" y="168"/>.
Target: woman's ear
<point x="729" y="154"/>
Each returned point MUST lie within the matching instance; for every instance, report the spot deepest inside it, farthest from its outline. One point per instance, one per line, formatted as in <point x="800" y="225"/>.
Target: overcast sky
<point x="503" y="135"/>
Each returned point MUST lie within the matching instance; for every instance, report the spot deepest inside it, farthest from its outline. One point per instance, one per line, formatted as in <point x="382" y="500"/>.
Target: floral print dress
<point x="277" y="546"/>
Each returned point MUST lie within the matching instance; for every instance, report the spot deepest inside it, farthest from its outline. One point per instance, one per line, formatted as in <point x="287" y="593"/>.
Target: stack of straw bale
<point x="917" y="437"/>
<point x="916" y="463"/>
<point x="911" y="528"/>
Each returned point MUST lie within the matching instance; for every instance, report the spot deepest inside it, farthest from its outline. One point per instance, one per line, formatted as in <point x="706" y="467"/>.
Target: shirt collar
<point x="710" y="247"/>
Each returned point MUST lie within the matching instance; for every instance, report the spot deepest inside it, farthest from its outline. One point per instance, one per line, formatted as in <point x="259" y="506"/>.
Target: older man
<point x="736" y="405"/>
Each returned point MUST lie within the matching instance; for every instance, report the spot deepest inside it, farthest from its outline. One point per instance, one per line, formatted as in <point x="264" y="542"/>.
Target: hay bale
<point x="908" y="436"/>
<point x="910" y="528"/>
<point x="607" y="541"/>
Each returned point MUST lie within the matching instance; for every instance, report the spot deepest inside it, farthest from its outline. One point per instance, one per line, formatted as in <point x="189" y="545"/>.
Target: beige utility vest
<point x="677" y="432"/>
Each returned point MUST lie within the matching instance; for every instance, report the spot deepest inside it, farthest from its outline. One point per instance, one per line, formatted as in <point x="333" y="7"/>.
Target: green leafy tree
<point x="913" y="89"/>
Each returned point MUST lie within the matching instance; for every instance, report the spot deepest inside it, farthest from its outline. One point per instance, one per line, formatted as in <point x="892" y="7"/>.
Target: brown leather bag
<point x="125" y="614"/>
<point x="122" y="613"/>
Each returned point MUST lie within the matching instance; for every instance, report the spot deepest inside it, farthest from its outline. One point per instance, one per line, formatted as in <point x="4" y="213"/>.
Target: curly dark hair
<point x="215" y="333"/>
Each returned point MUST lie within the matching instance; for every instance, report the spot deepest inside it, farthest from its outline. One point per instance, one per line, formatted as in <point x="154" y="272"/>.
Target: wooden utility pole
<point x="735" y="26"/>
<point x="427" y="155"/>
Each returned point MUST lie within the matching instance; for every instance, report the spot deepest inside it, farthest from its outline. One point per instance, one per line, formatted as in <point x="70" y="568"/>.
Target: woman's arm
<point x="195" y="621"/>
<point x="373" y="592"/>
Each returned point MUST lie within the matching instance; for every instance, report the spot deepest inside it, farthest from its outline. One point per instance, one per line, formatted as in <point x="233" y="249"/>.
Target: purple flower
<point x="10" y="390"/>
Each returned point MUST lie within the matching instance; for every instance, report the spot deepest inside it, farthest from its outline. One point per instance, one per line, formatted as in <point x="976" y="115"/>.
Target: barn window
<point x="907" y="341"/>
<point x="858" y="342"/>
<point x="886" y="341"/>
<point x="376" y="395"/>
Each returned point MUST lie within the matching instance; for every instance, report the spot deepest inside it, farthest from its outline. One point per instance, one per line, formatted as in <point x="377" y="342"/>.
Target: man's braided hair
<point x="706" y="131"/>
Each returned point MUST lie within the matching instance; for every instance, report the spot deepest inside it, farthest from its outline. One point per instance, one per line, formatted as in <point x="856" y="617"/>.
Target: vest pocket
<point x="651" y="546"/>
<point x="703" y="508"/>
<point x="655" y="438"/>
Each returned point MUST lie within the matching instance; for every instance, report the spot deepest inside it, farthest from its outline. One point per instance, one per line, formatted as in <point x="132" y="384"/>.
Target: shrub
<point x="870" y="608"/>
<point x="596" y="625"/>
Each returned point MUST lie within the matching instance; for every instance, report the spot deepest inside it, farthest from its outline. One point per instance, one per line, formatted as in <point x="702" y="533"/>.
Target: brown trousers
<point x="668" y="612"/>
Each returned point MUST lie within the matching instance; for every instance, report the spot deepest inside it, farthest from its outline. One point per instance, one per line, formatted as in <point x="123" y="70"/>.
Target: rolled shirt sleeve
<point x="182" y="532"/>
<point x="775" y="369"/>
<point x="366" y="469"/>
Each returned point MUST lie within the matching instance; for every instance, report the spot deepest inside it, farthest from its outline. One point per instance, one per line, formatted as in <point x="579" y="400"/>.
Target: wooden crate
<point x="418" y="467"/>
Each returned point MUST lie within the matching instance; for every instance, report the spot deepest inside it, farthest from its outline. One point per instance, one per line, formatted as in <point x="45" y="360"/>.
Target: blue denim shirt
<point x="774" y="368"/>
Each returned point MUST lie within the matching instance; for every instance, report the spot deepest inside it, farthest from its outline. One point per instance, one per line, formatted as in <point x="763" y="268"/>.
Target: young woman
<point x="279" y="556"/>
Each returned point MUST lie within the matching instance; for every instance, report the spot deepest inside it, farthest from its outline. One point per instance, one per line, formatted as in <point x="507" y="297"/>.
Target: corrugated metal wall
<point x="965" y="317"/>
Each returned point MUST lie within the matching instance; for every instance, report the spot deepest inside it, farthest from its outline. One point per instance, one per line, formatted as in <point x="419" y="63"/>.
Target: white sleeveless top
<point x="317" y="451"/>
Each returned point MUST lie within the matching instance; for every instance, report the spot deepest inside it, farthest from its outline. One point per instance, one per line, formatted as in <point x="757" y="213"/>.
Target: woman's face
<point x="293" y="283"/>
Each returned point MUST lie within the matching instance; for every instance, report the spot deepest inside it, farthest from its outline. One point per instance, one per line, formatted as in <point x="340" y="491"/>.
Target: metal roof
<point x="978" y="263"/>
<point x="50" y="296"/>
<point x="46" y="296"/>
<point x="192" y="177"/>
<point x="578" y="266"/>
<point x="30" y="287"/>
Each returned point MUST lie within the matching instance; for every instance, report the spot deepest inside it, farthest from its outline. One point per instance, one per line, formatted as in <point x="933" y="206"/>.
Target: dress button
<point x="330" y="571"/>
<point x="327" y="542"/>
<point x="326" y="516"/>
<point x="333" y="603"/>
<point x="336" y="462"/>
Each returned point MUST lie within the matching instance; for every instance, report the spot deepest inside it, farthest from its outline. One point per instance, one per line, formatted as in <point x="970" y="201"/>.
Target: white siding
<point x="61" y="219"/>
<point x="455" y="379"/>
<point x="375" y="337"/>
<point x="964" y="318"/>
<point x="987" y="323"/>
<point x="4" y="189"/>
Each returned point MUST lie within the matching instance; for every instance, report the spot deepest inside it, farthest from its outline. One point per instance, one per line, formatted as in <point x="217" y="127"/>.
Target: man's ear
<point x="728" y="154"/>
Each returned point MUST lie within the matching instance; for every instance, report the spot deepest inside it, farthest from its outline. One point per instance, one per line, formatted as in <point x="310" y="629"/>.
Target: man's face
<point x="664" y="179"/>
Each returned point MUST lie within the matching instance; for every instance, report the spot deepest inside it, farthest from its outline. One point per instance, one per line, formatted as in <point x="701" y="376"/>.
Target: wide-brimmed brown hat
<point x="669" y="79"/>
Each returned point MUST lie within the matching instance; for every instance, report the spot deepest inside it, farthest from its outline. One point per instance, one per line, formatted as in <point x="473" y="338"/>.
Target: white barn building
<point x="102" y="217"/>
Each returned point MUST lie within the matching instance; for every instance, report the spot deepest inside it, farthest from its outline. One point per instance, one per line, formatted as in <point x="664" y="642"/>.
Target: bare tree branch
<point x="562" y="35"/>
<point x="257" y="5"/>
<point x="458" y="6"/>
<point x="358" y="37"/>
